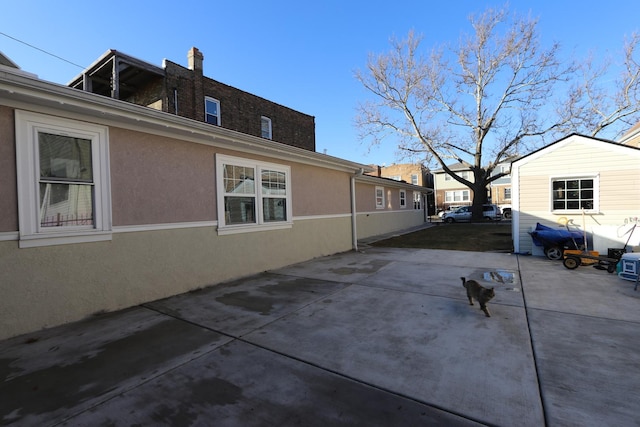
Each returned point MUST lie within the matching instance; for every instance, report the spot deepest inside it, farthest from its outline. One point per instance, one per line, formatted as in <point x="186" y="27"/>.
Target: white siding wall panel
<point x="617" y="168"/>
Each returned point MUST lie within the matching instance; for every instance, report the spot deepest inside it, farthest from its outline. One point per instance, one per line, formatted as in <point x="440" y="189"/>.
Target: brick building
<point x="186" y="92"/>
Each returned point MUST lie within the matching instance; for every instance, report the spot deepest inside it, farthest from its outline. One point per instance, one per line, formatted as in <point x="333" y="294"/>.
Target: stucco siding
<point x="137" y="267"/>
<point x="375" y="223"/>
<point x="8" y="192"/>
<point x="157" y="180"/>
<point x="317" y="191"/>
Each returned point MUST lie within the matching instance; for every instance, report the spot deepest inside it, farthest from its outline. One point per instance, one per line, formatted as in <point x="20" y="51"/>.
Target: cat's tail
<point x="463" y="281"/>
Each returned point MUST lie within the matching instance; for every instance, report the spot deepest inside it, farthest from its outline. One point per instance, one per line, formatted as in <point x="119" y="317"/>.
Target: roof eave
<point x="34" y="94"/>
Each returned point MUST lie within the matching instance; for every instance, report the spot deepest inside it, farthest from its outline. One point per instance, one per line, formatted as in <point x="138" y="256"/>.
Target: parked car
<point x="489" y="212"/>
<point x="447" y="210"/>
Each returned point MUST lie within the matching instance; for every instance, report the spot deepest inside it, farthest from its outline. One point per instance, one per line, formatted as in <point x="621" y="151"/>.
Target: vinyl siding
<point x="617" y="192"/>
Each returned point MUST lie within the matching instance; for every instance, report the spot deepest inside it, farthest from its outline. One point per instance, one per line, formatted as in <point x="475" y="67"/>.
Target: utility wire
<point x="42" y="50"/>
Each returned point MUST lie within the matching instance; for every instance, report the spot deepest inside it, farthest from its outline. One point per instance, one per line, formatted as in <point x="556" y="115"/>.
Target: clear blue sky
<point x="296" y="53"/>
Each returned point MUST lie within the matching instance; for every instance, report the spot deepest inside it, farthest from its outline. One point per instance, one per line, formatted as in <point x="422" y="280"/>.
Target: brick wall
<point x="240" y="110"/>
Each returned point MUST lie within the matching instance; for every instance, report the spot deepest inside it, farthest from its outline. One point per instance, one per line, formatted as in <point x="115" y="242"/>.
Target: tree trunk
<point x="479" y="199"/>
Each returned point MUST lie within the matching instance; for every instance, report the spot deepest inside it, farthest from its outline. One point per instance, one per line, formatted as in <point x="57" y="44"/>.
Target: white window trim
<point x="417" y="200"/>
<point x="259" y="225"/>
<point x="27" y="127"/>
<point x="268" y="121"/>
<point x="596" y="194"/>
<point x="506" y="190"/>
<point x="217" y="102"/>
<point x="403" y="199"/>
<point x="450" y="196"/>
<point x="381" y="204"/>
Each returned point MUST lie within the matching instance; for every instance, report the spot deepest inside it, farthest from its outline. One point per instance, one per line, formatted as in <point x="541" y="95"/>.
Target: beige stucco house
<point x="592" y="183"/>
<point x="105" y="204"/>
<point x="414" y="173"/>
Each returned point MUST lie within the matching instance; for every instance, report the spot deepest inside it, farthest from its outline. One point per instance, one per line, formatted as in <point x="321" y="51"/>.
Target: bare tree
<point x="492" y="102"/>
<point x="600" y="104"/>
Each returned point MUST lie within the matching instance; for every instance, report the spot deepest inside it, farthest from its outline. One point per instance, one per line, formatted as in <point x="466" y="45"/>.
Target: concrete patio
<point x="379" y="337"/>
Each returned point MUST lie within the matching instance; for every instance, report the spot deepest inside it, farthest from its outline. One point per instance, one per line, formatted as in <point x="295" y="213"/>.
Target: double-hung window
<point x="574" y="194"/>
<point x="212" y="111"/>
<point x="457" y="196"/>
<point x="403" y="199"/>
<point x="252" y="195"/>
<point x="63" y="180"/>
<point x="379" y="197"/>
<point x="265" y="127"/>
<point x="417" y="200"/>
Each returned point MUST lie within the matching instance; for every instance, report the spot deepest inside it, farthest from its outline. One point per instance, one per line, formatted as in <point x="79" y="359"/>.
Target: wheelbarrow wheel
<point x="553" y="253"/>
<point x="611" y="268"/>
<point x="571" y="262"/>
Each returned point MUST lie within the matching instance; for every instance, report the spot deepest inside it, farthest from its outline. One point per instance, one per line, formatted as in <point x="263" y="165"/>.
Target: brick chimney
<point x="195" y="58"/>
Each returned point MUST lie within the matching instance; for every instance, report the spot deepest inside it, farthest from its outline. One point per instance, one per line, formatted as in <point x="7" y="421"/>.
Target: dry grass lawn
<point x="477" y="237"/>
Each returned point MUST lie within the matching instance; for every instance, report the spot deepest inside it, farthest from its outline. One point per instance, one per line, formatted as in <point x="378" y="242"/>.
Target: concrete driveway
<point x="380" y="337"/>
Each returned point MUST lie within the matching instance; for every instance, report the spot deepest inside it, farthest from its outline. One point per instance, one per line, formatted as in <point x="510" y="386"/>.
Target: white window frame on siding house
<point x="457" y="196"/>
<point x="251" y="194"/>
<point x="212" y="111"/>
<point x="265" y="127"/>
<point x="403" y="199"/>
<point x="83" y="213"/>
<point x="576" y="199"/>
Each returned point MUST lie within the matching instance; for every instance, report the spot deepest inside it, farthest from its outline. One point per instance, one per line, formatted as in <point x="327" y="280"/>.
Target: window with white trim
<point x="379" y="198"/>
<point x="574" y="194"/>
<point x="63" y="180"/>
<point x="417" y="200"/>
<point x="507" y="193"/>
<point x="212" y="111"/>
<point x="252" y="195"/>
<point x="403" y="199"/>
<point x="265" y="127"/>
<point x="457" y="196"/>
<point x="414" y="179"/>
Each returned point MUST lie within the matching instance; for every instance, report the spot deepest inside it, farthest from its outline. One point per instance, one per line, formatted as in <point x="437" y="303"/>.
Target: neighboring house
<point x="448" y="191"/>
<point x="500" y="189"/>
<point x="582" y="180"/>
<point x="186" y="92"/>
<point x="105" y="204"/>
<point x="416" y="174"/>
<point x="631" y="137"/>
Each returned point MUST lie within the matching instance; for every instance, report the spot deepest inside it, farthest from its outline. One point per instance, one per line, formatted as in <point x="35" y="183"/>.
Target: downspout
<point x="354" y="230"/>
<point x="175" y="100"/>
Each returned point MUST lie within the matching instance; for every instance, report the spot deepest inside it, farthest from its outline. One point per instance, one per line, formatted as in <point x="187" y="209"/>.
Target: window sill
<point x="575" y="212"/>
<point x="237" y="229"/>
<point x="36" y="240"/>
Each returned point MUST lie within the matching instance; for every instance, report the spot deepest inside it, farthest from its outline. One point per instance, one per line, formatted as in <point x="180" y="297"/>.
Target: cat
<point x="480" y="293"/>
